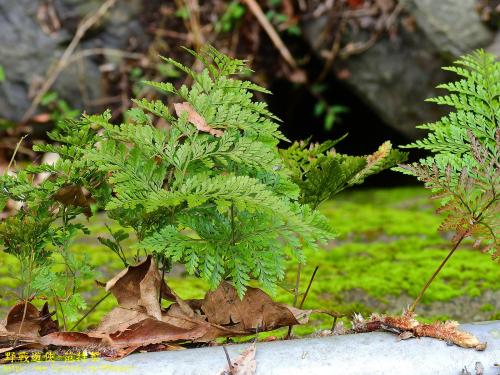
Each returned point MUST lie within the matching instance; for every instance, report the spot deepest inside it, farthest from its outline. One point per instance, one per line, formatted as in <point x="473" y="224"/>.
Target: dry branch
<point x="82" y="29"/>
<point x="273" y="35"/>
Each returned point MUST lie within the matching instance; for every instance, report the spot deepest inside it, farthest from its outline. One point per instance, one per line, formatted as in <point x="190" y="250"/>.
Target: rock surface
<point x="395" y="75"/>
<point x="31" y="41"/>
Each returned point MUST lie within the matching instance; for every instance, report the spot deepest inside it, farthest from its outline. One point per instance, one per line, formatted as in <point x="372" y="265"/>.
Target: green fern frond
<point x="321" y="173"/>
<point x="464" y="168"/>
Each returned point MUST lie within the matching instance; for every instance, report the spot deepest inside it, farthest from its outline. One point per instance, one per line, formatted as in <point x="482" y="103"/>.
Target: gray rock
<point x="27" y="52"/>
<point x="395" y="76"/>
<point x="494" y="47"/>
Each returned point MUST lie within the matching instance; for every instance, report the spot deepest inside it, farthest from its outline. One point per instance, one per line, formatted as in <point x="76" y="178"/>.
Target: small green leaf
<point x="48" y="98"/>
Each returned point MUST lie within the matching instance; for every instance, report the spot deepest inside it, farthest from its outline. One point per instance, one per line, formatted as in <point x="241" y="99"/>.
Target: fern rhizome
<point x="463" y="171"/>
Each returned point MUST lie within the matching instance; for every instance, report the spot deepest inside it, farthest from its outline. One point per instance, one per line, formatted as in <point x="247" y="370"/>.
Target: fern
<point x="321" y="172"/>
<point x="463" y="171"/>
<point x="211" y="191"/>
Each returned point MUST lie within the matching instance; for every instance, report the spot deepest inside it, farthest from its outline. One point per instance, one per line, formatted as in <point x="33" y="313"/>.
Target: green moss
<point x="387" y="246"/>
<point x="487" y="307"/>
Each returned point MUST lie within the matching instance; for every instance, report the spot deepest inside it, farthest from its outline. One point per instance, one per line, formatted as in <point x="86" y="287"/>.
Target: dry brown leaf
<point x="7" y="349"/>
<point x="138" y="286"/>
<point x="406" y="325"/>
<point x="119" y="319"/>
<point x="177" y="317"/>
<point x="122" y="353"/>
<point x="36" y="323"/>
<point x="195" y="119"/>
<point x="139" y="322"/>
<point x="47" y="325"/>
<point x="153" y="331"/>
<point x="29" y="326"/>
<point x="245" y="364"/>
<point x="70" y="339"/>
<point x="24" y="346"/>
<point x="73" y="195"/>
<point x="255" y="312"/>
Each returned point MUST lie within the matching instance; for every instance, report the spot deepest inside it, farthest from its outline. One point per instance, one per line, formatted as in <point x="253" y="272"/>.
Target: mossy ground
<point x="387" y="246"/>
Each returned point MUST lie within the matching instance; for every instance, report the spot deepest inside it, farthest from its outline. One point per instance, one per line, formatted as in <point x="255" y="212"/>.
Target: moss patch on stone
<point x="387" y="246"/>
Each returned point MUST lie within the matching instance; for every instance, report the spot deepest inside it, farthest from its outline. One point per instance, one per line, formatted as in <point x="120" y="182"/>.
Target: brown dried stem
<point x="271" y="32"/>
<point x="90" y="311"/>
<point x="436" y="272"/>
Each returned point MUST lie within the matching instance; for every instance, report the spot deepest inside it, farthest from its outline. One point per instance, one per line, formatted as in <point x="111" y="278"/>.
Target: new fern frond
<point x="463" y="171"/>
<point x="321" y="172"/>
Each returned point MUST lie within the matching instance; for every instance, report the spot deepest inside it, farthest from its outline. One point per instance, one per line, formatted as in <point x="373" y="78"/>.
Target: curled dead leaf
<point x="140" y="323"/>
<point x="153" y="331"/>
<point x="47" y="325"/>
<point x="70" y="339"/>
<point x="23" y="318"/>
<point x="196" y="119"/>
<point x="119" y="319"/>
<point x="255" y="312"/>
<point x="139" y="286"/>
<point x="73" y="195"/>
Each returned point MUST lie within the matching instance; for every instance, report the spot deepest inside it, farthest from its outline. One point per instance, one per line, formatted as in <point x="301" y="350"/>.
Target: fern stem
<point x="297" y="285"/>
<point x="18" y="145"/>
<point x="62" y="310"/>
<point x="233" y="239"/>
<point x="436" y="272"/>
<point x="296" y="295"/>
<point x="308" y="287"/>
<point x="90" y="310"/>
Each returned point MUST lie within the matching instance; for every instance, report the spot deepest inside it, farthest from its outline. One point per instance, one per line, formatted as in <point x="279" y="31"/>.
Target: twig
<point x="333" y="52"/>
<point x="296" y="295"/>
<point x="231" y="368"/>
<point x="88" y="312"/>
<point x="302" y="5"/>
<point x="433" y="276"/>
<point x="393" y="16"/>
<point x="334" y="323"/>
<point x="273" y="35"/>
<point x="297" y="285"/>
<point x="194" y="20"/>
<point x="83" y="27"/>
<point x="171" y="34"/>
<point x="62" y="311"/>
<point x="303" y="298"/>
<point x="308" y="287"/>
<point x="15" y="152"/>
<point x="103" y="51"/>
<point x="25" y="310"/>
<point x="162" y="279"/>
<point x="322" y="8"/>
<point x="359" y="47"/>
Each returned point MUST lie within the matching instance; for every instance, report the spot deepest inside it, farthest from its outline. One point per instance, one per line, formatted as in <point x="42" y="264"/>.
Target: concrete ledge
<point x="369" y="353"/>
